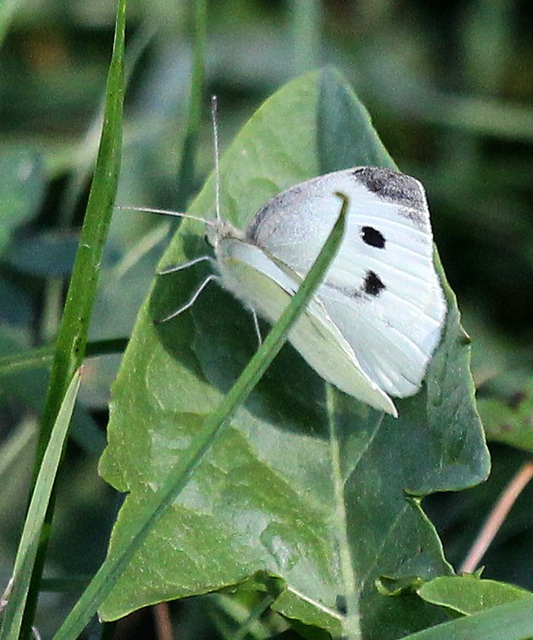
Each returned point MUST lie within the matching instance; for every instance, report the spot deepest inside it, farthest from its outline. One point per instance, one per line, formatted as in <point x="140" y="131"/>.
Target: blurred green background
<point x="449" y="86"/>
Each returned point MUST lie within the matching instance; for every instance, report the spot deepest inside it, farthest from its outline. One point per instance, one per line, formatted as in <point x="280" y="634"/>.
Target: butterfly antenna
<point x="214" y="119"/>
<point x="165" y="212"/>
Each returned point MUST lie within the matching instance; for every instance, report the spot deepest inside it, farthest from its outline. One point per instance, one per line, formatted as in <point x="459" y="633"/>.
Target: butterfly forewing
<point x="381" y="292"/>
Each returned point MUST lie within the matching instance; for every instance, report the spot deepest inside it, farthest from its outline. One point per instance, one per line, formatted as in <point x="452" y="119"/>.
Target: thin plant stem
<point x="162" y="621"/>
<point x="497" y="517"/>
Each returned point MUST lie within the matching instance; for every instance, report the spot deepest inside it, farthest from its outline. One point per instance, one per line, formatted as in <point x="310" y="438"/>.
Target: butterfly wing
<point x="382" y="291"/>
<point x="267" y="288"/>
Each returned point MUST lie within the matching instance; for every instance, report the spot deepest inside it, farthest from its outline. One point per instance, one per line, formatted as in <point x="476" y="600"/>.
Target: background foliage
<point x="449" y="87"/>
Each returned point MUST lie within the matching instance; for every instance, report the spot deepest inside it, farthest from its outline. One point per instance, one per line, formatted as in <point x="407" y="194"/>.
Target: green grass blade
<point x="192" y="130"/>
<point x="72" y="338"/>
<point x="73" y="331"/>
<point x="29" y="542"/>
<point x="42" y="357"/>
<point x="177" y="479"/>
<point x="512" y="621"/>
<point x="87" y="149"/>
<point x="306" y="22"/>
<point x="12" y="448"/>
<point x="26" y="359"/>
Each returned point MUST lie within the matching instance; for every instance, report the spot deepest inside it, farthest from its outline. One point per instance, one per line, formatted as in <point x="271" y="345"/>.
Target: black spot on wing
<point x="372" y="284"/>
<point x="373" y="237"/>
<point x="393" y="186"/>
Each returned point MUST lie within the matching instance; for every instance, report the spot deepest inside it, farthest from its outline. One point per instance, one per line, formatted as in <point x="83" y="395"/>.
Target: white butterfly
<point x="374" y="323"/>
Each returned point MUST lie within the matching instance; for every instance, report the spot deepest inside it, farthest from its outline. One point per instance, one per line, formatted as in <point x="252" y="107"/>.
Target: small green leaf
<point x="468" y="594"/>
<point x="398" y="586"/>
<point x="511" y="621"/>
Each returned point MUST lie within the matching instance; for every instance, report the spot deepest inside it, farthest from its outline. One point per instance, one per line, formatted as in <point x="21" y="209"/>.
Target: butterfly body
<point x="376" y="320"/>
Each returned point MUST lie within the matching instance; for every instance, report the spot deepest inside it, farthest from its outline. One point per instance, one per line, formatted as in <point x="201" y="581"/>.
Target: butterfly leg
<point x="190" y="303"/>
<point x="257" y="328"/>
<point x="186" y="265"/>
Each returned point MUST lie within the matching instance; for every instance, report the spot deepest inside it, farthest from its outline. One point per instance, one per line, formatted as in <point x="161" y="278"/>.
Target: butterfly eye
<point x="373" y="237"/>
<point x="372" y="284"/>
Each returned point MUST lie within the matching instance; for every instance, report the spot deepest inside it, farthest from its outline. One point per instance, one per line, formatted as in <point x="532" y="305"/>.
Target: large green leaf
<point x="262" y="500"/>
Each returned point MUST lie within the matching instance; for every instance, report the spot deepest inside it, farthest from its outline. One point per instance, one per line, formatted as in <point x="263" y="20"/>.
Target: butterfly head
<point x="218" y="229"/>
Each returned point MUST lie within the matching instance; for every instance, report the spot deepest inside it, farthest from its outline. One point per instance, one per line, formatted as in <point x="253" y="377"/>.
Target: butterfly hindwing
<point x="250" y="274"/>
